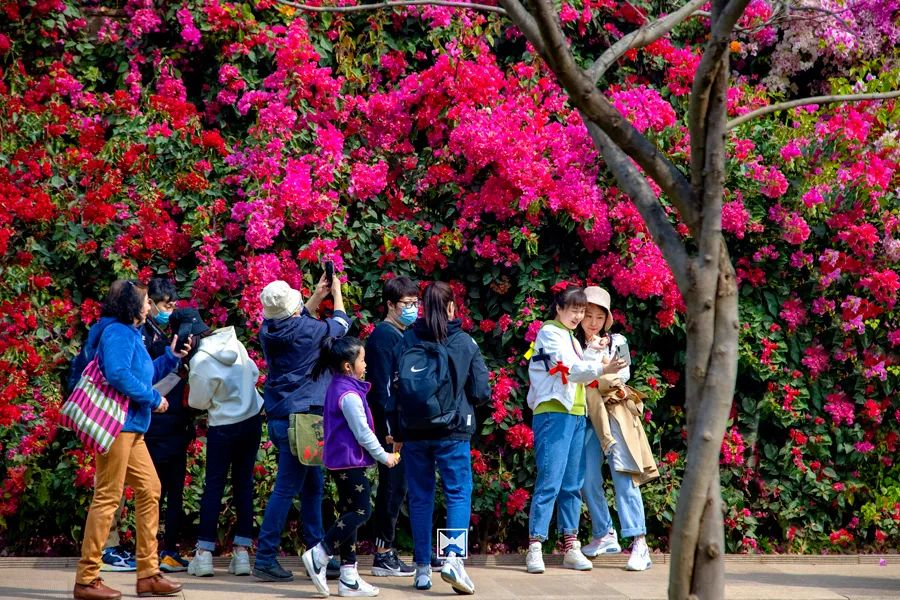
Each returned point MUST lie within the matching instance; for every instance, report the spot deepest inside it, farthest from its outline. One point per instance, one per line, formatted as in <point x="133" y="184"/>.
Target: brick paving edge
<point x="511" y="560"/>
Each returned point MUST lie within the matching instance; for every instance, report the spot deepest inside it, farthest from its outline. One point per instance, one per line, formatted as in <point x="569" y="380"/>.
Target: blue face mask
<point x="163" y="317"/>
<point x="409" y="315"/>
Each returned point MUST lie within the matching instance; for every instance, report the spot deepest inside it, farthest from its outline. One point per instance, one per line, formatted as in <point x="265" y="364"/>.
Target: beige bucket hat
<point x="600" y="297"/>
<point x="280" y="300"/>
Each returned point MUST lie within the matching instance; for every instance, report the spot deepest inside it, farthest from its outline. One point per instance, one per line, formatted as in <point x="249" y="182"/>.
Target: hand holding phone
<point x="182" y="342"/>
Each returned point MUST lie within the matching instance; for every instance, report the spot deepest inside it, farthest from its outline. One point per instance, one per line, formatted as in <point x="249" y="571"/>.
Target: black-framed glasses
<point x="408" y="304"/>
<point x="167" y="304"/>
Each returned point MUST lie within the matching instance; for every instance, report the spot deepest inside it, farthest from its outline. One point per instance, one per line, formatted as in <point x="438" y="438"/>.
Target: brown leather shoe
<point x="95" y="590"/>
<point x="157" y="585"/>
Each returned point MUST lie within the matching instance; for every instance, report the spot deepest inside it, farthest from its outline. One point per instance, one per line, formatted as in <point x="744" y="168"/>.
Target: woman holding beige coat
<point x="615" y="434"/>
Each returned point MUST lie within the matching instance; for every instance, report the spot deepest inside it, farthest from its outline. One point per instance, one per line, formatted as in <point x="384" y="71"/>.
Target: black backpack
<point x="424" y="391"/>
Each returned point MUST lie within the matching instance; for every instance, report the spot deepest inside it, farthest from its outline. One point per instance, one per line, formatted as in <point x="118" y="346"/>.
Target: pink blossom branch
<point x="807" y="101"/>
<point x="584" y="95"/>
<point x="639" y="38"/>
<point x="392" y="4"/>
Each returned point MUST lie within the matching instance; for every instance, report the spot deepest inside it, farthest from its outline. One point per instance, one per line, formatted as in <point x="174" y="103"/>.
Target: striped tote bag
<point x="95" y="410"/>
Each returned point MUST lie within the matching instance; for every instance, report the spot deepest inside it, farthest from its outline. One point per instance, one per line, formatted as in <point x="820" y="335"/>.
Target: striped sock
<point x="569" y="539"/>
<point x="534" y="540"/>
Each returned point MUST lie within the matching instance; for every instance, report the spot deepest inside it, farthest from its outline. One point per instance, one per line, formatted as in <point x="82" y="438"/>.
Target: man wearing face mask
<point x="170" y="432"/>
<point x="401" y="296"/>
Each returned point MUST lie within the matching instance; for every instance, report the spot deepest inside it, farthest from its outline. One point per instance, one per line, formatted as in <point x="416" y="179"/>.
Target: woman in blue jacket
<point x="116" y="342"/>
<point x="291" y="339"/>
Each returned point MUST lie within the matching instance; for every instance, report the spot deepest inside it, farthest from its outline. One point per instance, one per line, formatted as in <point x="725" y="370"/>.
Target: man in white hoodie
<point x="222" y="380"/>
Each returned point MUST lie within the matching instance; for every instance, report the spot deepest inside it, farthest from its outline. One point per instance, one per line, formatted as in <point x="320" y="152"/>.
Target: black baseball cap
<point x="187" y="322"/>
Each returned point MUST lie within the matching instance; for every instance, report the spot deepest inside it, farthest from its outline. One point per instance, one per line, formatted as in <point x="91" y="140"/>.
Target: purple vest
<point x="342" y="451"/>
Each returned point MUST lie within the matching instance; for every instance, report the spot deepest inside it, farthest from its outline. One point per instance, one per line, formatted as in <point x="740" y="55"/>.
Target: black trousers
<point x="233" y="447"/>
<point x="391" y="492"/>
<point x="171" y="472"/>
<point x="355" y="507"/>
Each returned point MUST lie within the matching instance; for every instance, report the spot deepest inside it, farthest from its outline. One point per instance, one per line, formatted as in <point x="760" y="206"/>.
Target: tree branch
<point x="524" y="21"/>
<point x="807" y="101"/>
<point x="723" y="24"/>
<point x="556" y="48"/>
<point x="641" y="37"/>
<point x="392" y="4"/>
<point x="635" y="185"/>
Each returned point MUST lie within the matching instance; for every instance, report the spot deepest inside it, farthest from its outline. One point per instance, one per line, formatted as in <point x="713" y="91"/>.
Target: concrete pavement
<point x="504" y="578"/>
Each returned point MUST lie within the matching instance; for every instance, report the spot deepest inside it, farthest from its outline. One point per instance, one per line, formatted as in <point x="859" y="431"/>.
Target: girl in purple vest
<point x="350" y="448"/>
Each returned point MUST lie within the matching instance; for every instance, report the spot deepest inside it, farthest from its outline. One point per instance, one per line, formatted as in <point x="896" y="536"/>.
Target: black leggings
<point x="355" y="505"/>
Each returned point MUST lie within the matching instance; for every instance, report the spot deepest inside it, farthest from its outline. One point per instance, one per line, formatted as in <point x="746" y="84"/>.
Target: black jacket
<point x="381" y="353"/>
<point x="470" y="375"/>
<point x="170" y="432"/>
<point x="381" y="359"/>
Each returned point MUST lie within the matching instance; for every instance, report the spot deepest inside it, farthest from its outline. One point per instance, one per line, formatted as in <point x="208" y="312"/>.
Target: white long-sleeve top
<point x="355" y="414"/>
<point x="556" y="344"/>
<point x="223" y="379"/>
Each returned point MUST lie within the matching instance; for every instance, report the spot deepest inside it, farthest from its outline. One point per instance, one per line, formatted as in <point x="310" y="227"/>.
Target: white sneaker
<point x="422" y="579"/>
<point x="534" y="560"/>
<point x="608" y="544"/>
<point x="454" y="573"/>
<point x="316" y="562"/>
<point x="640" y="556"/>
<point x="201" y="565"/>
<point x="240" y="562"/>
<point x="574" y="559"/>
<point x="351" y="585"/>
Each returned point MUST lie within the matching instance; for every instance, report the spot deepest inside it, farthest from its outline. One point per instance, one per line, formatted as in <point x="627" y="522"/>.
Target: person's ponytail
<point x="334" y="352"/>
<point x="437" y="298"/>
<point x="325" y="359"/>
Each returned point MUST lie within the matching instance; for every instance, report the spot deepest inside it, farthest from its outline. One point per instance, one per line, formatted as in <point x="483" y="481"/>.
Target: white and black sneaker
<point x="352" y="585"/>
<point x="388" y="564"/>
<point x="316" y="562"/>
<point x="640" y="556"/>
<point x="454" y="573"/>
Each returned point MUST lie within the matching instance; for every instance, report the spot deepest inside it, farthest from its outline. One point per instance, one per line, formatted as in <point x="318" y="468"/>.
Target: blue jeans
<point x="629" y="503"/>
<point x="232" y="446"/>
<point x="453" y="460"/>
<point x="292" y="478"/>
<point x="559" y="453"/>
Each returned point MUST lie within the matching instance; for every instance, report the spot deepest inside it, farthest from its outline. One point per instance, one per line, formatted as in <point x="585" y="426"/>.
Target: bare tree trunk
<point x="697" y="570"/>
<point x="709" y="565"/>
<point x="712" y="328"/>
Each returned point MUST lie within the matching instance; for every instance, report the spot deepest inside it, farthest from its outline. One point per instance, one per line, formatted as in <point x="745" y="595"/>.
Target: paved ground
<point x="503" y="578"/>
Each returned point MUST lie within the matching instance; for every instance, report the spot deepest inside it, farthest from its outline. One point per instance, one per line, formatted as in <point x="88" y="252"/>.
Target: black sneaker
<point x="273" y="572"/>
<point x="388" y="564"/>
<point x="333" y="570"/>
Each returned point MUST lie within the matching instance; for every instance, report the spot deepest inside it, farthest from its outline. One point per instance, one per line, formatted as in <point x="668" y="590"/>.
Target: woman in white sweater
<point x="557" y="373"/>
<point x="222" y="380"/>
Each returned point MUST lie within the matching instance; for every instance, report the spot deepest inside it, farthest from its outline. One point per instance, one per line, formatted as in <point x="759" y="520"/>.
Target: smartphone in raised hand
<point x="329" y="272"/>
<point x="622" y="353"/>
